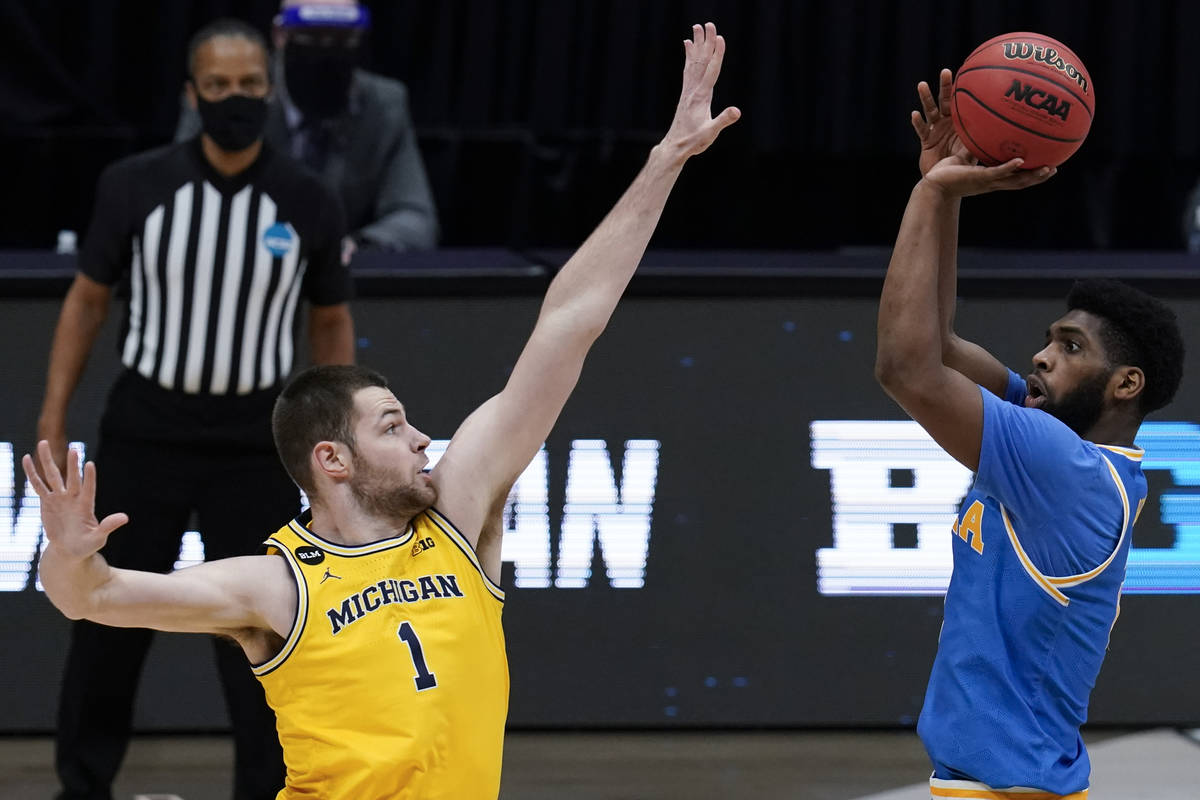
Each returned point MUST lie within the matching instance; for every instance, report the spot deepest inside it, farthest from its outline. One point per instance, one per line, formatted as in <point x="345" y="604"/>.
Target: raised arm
<point x="252" y="599"/>
<point x="936" y="131"/>
<point x="908" y="360"/>
<point x="499" y="439"/>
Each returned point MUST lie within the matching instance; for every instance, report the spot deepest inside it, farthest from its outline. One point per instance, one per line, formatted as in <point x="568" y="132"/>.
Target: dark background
<point x="729" y="387"/>
<point x="534" y="114"/>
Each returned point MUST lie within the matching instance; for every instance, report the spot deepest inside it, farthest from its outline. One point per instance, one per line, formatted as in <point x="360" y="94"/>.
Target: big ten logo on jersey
<point x="602" y="509"/>
<point x="888" y="480"/>
<point x="421" y="545"/>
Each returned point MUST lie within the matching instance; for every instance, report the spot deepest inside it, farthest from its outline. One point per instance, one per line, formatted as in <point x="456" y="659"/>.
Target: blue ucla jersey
<point x="1040" y="545"/>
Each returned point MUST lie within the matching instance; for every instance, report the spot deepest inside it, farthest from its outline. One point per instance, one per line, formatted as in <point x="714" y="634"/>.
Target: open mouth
<point x="1035" y="393"/>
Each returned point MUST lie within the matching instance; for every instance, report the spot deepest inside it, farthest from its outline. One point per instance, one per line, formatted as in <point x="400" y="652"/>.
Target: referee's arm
<point x="83" y="313"/>
<point x="331" y="334"/>
<point x="329" y="287"/>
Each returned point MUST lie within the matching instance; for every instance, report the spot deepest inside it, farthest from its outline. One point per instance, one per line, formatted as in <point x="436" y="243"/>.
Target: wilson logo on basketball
<point x="1024" y="51"/>
<point x="1036" y="98"/>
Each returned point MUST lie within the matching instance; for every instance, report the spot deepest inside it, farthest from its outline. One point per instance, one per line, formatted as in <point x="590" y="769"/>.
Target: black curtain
<point x="535" y="113"/>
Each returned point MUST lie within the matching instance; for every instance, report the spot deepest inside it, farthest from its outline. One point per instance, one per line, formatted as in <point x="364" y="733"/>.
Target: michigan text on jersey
<point x="388" y="591"/>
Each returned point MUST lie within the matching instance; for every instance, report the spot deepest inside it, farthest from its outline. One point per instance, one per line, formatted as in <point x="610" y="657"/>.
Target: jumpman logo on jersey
<point x="329" y="575"/>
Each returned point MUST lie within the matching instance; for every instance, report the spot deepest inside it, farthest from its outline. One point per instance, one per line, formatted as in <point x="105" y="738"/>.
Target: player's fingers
<point x="918" y="123"/>
<point x="72" y="471"/>
<point x="695" y="55"/>
<point x="712" y="70"/>
<point x="727" y="117"/>
<point x="946" y="81"/>
<point x="35" y="480"/>
<point x="112" y="522"/>
<point x="1035" y="176"/>
<point x="1026" y="178"/>
<point x="50" y="471"/>
<point x="1001" y="171"/>
<point x="930" y="107"/>
<point x="89" y="484"/>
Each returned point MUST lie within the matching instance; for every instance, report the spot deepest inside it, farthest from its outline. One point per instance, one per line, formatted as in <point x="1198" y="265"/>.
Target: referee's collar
<point x="230" y="183"/>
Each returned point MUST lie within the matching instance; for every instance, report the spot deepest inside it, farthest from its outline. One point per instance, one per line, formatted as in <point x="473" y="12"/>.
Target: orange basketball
<point x="1023" y="95"/>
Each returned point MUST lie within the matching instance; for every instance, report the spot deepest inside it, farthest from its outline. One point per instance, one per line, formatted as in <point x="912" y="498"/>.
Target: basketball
<point x="1023" y="95"/>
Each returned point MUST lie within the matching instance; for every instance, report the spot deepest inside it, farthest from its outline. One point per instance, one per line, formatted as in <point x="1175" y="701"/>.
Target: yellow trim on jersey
<point x="1138" y="513"/>
<point x="447" y="527"/>
<point x="941" y="788"/>
<point x="1075" y="580"/>
<point x="1033" y="571"/>
<point x="346" y="549"/>
<point x="301" y="611"/>
<point x="1132" y="453"/>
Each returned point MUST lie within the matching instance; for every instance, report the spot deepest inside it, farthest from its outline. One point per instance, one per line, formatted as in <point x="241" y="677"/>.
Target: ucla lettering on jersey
<point x="393" y="681"/>
<point x="1039" y="546"/>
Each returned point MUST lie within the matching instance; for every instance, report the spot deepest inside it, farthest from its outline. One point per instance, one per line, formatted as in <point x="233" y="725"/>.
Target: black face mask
<point x="318" y="78"/>
<point x="234" y="123"/>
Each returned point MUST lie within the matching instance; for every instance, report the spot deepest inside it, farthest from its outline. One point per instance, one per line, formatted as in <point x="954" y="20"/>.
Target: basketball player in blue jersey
<point x="1041" y="539"/>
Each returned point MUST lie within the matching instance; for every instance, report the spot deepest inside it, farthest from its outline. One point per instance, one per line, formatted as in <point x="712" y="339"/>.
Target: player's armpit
<point x="224" y="597"/>
<point x="947" y="405"/>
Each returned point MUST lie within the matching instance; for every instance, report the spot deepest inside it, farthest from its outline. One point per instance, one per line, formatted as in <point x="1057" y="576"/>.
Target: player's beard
<point x="1080" y="408"/>
<point x="381" y="495"/>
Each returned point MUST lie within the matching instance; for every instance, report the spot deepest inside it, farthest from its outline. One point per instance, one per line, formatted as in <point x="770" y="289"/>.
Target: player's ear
<point x="1127" y="383"/>
<point x="331" y="460"/>
<point x="189" y="91"/>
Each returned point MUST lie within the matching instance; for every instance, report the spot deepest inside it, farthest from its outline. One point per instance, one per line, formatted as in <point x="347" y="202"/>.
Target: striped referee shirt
<point x="216" y="265"/>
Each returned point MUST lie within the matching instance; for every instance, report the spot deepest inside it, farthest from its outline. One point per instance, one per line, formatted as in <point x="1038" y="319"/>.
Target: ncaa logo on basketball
<point x="308" y="554"/>
<point x="279" y="239"/>
<point x="1039" y="99"/>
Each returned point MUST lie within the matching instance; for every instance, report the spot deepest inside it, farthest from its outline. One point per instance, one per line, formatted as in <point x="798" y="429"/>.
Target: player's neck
<point x="1118" y="431"/>
<point x="347" y="523"/>
<point x="225" y="162"/>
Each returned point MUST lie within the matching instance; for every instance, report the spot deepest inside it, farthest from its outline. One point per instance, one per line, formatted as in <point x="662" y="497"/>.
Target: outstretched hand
<point x="694" y="128"/>
<point x="959" y="176"/>
<point x="69" y="507"/>
<point x="935" y="128"/>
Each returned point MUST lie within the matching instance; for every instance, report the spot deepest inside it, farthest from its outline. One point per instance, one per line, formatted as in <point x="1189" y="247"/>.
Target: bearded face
<point x="390" y="494"/>
<point x="1079" y="409"/>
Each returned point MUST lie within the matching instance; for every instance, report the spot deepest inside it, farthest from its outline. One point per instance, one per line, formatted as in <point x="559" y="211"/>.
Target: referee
<point x="219" y="238"/>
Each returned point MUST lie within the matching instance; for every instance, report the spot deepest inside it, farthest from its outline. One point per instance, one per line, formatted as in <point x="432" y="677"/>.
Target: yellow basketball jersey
<point x="393" y="682"/>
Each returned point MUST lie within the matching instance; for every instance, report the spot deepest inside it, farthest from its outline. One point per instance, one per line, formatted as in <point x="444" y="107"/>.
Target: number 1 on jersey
<point x="424" y="679"/>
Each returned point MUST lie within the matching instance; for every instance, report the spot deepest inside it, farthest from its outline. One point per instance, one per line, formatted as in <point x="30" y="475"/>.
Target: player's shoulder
<point x="1015" y="420"/>
<point x="1047" y="444"/>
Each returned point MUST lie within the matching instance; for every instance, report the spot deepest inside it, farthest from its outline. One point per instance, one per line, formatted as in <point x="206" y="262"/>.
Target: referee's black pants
<point x="239" y="499"/>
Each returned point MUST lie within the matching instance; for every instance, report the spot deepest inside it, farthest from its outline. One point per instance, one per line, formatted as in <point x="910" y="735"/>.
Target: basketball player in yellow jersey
<point x="374" y="621"/>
